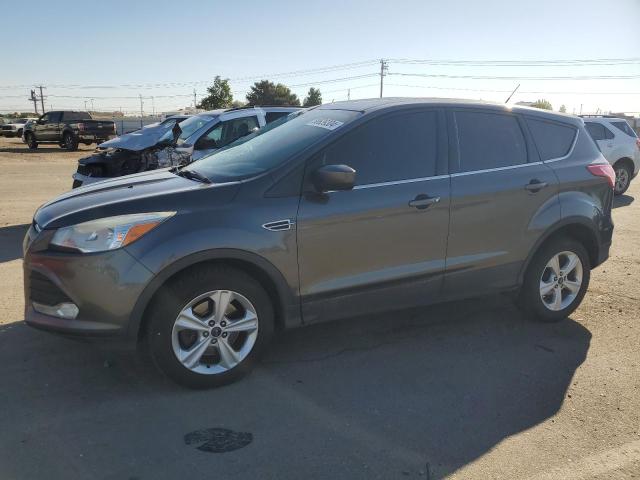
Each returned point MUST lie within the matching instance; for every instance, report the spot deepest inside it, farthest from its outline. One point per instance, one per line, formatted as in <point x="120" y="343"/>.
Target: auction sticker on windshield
<point x="327" y="123"/>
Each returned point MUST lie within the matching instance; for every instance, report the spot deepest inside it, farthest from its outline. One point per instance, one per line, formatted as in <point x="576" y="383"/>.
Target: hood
<point x="138" y="140"/>
<point x="157" y="190"/>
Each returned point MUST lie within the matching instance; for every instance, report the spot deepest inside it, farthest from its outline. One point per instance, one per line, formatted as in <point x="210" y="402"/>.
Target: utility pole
<point x="153" y="106"/>
<point x="34" y="99"/>
<point x="383" y="71"/>
<point x="195" y="99"/>
<point x="92" y="109"/>
<point x="41" y="97"/>
<point x="349" y="94"/>
<point x="141" y="111"/>
<point x="85" y="105"/>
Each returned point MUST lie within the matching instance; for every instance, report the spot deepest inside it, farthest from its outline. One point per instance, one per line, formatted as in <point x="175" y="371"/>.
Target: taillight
<point x="81" y="126"/>
<point x="638" y="143"/>
<point x="603" y="170"/>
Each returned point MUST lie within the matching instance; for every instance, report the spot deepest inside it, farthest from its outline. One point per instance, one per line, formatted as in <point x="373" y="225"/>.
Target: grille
<point x="42" y="290"/>
<point x="83" y="170"/>
<point x="7" y="127"/>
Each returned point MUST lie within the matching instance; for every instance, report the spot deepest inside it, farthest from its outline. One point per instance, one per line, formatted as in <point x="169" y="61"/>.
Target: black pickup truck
<point x="68" y="129"/>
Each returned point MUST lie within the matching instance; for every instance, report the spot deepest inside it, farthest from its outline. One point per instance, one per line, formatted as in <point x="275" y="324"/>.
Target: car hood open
<point x="138" y="140"/>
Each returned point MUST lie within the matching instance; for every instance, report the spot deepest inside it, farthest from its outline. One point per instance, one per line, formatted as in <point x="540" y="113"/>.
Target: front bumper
<point x="104" y="286"/>
<point x="9" y="133"/>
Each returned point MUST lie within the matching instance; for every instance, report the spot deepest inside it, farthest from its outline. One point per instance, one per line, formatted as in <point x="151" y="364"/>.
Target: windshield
<point x="271" y="147"/>
<point x="189" y="127"/>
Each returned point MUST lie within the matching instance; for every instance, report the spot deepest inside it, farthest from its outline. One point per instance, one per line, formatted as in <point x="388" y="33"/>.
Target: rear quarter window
<point x="624" y="127"/>
<point x="554" y="140"/>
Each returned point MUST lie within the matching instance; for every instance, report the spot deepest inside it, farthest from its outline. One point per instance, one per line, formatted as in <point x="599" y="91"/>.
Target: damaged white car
<point x="167" y="145"/>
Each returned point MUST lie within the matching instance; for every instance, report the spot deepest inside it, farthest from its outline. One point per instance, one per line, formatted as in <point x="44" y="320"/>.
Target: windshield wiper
<point x="190" y="174"/>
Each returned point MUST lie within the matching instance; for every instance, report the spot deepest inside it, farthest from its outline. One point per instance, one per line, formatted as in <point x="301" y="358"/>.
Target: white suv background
<point x="620" y="146"/>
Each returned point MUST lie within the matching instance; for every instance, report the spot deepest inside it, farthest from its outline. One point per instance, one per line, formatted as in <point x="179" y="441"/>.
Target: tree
<point x="563" y="109"/>
<point x="314" y="97"/>
<point x="219" y="95"/>
<point x="543" y="104"/>
<point x="265" y="92"/>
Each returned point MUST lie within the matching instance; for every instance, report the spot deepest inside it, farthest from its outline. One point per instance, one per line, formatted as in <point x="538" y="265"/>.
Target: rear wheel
<point x="31" y="141"/>
<point x="70" y="142"/>
<point x="209" y="326"/>
<point x="623" y="177"/>
<point x="556" y="281"/>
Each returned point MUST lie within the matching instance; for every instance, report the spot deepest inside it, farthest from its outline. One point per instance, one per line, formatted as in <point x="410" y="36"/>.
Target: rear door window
<point x="553" y="139"/>
<point x="489" y="140"/>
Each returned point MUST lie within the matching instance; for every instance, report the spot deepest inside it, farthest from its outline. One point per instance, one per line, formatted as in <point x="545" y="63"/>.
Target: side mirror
<point x="334" y="177"/>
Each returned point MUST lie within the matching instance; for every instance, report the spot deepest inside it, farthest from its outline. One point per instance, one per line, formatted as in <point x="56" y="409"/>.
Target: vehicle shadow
<point x="11" y="242"/>
<point x="421" y="392"/>
<point x="622" y="201"/>
<point x="24" y="149"/>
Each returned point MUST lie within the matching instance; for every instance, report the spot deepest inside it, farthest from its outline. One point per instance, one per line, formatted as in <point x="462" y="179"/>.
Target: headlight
<point x="108" y="233"/>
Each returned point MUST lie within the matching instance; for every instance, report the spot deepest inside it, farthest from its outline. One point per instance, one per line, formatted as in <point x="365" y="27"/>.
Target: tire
<point x="545" y="308"/>
<point x="201" y="288"/>
<point x="623" y="177"/>
<point x="31" y="141"/>
<point x="70" y="142"/>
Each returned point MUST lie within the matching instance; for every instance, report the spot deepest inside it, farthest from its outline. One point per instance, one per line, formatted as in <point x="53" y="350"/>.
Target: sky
<point x="115" y="51"/>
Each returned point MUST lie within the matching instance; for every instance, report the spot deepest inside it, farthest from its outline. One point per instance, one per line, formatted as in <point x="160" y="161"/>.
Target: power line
<point x="508" y="91"/>
<point x="521" y="63"/>
<point x="354" y="65"/>
<point x="506" y="77"/>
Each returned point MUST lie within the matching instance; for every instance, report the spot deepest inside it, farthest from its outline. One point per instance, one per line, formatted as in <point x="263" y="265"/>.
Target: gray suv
<point x="349" y="209"/>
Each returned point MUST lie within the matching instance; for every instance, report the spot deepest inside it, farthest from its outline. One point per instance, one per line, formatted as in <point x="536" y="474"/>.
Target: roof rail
<point x="593" y="115"/>
<point x="261" y="106"/>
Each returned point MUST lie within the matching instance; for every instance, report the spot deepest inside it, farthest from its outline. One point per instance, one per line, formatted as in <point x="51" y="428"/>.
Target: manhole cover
<point x="218" y="440"/>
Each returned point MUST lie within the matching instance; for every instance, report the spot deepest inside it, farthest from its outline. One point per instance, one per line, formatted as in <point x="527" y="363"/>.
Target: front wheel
<point x="556" y="281"/>
<point x="209" y="326"/>
<point x="31" y="141"/>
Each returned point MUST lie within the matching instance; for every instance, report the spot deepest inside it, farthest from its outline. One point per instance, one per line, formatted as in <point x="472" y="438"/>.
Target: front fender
<point x="289" y="306"/>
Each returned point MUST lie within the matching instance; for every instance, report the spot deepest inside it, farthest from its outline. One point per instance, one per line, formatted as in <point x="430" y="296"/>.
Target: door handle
<point x="535" y="186"/>
<point x="423" y="201"/>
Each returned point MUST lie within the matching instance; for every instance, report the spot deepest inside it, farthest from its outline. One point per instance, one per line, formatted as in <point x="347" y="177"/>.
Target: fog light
<point x="62" y="310"/>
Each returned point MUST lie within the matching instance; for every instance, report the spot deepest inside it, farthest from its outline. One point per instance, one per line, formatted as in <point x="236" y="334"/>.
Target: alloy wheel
<point x="561" y="281"/>
<point x="622" y="179"/>
<point x="215" y="332"/>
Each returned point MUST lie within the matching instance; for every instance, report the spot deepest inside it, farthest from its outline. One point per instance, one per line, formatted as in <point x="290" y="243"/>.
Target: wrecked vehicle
<point x="188" y="141"/>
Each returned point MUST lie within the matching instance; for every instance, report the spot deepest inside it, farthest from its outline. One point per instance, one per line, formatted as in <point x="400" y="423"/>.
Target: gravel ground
<point x="464" y="390"/>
